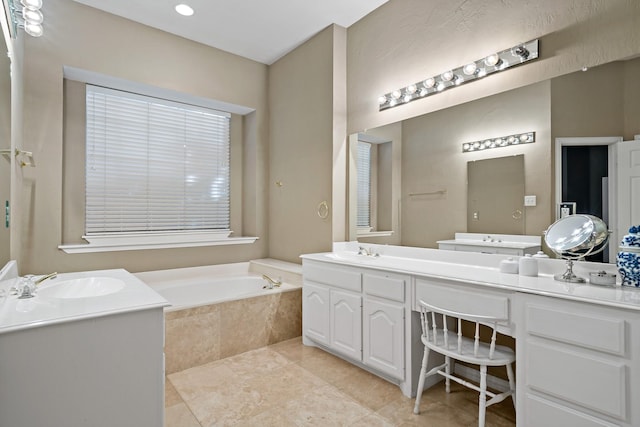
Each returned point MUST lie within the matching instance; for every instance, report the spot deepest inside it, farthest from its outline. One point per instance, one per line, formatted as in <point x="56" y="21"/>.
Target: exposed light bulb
<point x="32" y="4"/>
<point x="382" y="100"/>
<point x="511" y="139"/>
<point x="447" y="76"/>
<point x="34" y="30"/>
<point x="476" y="144"/>
<point x="393" y="103"/>
<point x="492" y="60"/>
<point x="520" y="51"/>
<point x="481" y="73"/>
<point x="184" y="9"/>
<point x="440" y="87"/>
<point x="424" y="91"/>
<point x="466" y="147"/>
<point x="33" y="16"/>
<point x="429" y="83"/>
<point x="396" y="94"/>
<point x="524" y="137"/>
<point x="470" y="69"/>
<point x="407" y="98"/>
<point x="411" y="89"/>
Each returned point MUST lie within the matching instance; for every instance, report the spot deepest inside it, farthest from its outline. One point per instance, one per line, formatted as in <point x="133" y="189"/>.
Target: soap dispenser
<point x="528" y="266"/>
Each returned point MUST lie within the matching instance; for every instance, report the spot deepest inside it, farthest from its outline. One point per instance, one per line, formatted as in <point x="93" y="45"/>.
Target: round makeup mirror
<point x="575" y="237"/>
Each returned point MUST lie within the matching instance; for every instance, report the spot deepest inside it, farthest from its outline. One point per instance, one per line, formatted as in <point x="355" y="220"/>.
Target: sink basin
<point x="82" y="288"/>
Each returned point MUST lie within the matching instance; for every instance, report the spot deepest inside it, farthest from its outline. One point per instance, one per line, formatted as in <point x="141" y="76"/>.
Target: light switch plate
<point x="529" y="200"/>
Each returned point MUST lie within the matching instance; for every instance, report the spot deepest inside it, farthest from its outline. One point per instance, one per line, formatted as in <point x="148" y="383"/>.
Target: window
<point x="154" y="166"/>
<point x="364" y="185"/>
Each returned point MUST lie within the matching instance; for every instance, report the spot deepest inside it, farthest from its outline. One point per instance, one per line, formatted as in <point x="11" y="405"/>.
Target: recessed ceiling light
<point x="184" y="10"/>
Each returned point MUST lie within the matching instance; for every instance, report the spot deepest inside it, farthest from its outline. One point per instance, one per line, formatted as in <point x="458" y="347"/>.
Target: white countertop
<point x="17" y="314"/>
<point x="511" y="241"/>
<point x="487" y="243"/>
<point x="482" y="269"/>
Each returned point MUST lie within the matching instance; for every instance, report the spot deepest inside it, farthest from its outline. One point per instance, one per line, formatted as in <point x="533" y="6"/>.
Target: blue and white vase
<point x="628" y="260"/>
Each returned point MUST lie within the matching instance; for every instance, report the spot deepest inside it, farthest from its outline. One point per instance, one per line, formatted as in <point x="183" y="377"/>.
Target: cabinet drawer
<point x="461" y="299"/>
<point x="384" y="286"/>
<point x="551" y="414"/>
<point x="598" y="333"/>
<point x="579" y="378"/>
<point x="339" y="277"/>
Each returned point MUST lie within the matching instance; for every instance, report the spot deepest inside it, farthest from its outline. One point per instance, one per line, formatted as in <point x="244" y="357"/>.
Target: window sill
<point x="375" y="233"/>
<point x="135" y="242"/>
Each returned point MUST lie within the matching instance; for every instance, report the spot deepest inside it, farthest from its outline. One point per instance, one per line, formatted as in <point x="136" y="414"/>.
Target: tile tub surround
<point x="289" y="384"/>
<point x="202" y="334"/>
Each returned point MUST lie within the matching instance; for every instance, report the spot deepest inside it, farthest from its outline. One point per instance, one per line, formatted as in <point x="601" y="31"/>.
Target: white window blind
<point x="364" y="184"/>
<point x="154" y="165"/>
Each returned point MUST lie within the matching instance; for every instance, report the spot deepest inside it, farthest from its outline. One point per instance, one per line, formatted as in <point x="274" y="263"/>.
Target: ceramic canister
<point x="628" y="259"/>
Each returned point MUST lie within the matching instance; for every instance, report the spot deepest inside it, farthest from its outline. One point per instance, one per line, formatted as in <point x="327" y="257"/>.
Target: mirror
<point x="374" y="184"/>
<point x="432" y="200"/>
<point x="575" y="237"/>
<point x="5" y="149"/>
<point x="495" y="195"/>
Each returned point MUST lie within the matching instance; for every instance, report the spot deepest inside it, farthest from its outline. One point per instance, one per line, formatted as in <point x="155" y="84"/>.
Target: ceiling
<point x="256" y="29"/>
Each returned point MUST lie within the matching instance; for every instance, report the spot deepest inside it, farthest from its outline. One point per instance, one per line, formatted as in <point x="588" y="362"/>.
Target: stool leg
<point x="512" y="384"/>
<point x="447" y="382"/>
<point x="483" y="395"/>
<point x="423" y="374"/>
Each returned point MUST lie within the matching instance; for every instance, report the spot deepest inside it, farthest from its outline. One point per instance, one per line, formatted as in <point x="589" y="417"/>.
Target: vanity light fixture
<point x="474" y="70"/>
<point x="26" y="15"/>
<point x="501" y="141"/>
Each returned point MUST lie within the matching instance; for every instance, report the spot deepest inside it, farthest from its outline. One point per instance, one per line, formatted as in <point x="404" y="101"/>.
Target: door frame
<point x="610" y="141"/>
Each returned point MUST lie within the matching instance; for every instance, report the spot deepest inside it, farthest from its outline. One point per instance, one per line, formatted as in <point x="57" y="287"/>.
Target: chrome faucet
<point x="27" y="285"/>
<point x="368" y="252"/>
<point x="271" y="283"/>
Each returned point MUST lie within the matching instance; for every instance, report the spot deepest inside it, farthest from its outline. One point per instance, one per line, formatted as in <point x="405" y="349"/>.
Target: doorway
<point x="585" y="174"/>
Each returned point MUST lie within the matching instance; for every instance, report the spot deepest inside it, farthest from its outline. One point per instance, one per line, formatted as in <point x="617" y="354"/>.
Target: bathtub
<point x="187" y="294"/>
<point x="223" y="310"/>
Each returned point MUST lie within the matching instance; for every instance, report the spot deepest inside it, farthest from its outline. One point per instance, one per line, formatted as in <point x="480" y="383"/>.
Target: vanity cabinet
<point x="316" y="313"/>
<point x="332" y="308"/>
<point x="102" y="371"/>
<point x="383" y="325"/>
<point x="346" y="323"/>
<point x="575" y="364"/>
<point x="357" y="313"/>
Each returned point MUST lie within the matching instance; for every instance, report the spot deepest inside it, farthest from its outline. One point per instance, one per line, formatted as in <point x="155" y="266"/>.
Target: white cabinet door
<point x="383" y="337"/>
<point x="346" y="324"/>
<point x="315" y="313"/>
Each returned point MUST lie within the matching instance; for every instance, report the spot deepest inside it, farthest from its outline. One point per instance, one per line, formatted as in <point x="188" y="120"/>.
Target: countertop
<point x="483" y="270"/>
<point x="488" y="243"/>
<point x="17" y="314"/>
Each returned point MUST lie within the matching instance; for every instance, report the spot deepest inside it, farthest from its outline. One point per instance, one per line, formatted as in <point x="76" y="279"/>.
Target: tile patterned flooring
<point x="289" y="384"/>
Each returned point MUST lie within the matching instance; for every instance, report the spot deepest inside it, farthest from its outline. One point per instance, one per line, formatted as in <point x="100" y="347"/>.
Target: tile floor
<point x="289" y="384"/>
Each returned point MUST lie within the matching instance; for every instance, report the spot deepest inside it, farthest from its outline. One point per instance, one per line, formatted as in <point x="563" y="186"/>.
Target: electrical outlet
<point x="529" y="200"/>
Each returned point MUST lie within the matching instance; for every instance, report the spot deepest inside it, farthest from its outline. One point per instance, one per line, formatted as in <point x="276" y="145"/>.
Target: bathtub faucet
<point x="271" y="283"/>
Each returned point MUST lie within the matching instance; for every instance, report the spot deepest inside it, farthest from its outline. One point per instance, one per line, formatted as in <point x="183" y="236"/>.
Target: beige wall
<point x="301" y="107"/>
<point x="405" y="41"/>
<point x="589" y="103"/>
<point x="85" y="38"/>
<point x="432" y="160"/>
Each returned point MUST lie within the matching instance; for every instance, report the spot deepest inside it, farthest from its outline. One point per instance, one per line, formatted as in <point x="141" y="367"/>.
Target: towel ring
<point x="323" y="209"/>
